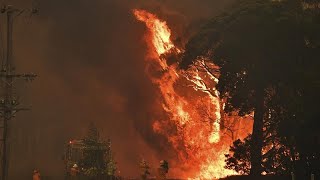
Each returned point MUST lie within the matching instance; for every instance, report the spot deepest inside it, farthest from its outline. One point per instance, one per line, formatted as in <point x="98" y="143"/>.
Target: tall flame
<point x="159" y="29"/>
<point x="191" y="105"/>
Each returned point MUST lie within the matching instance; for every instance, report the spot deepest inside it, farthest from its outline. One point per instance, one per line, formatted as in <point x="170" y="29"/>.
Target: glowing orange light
<point x="159" y="30"/>
<point x="194" y="107"/>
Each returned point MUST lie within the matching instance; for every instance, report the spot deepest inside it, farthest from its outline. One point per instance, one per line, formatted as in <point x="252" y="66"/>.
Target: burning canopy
<point x="191" y="119"/>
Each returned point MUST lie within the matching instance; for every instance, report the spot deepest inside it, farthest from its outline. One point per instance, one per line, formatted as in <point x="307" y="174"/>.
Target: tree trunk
<point x="257" y="134"/>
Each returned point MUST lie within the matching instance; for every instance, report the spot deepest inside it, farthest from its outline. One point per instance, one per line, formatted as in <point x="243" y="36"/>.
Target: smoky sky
<point x="89" y="55"/>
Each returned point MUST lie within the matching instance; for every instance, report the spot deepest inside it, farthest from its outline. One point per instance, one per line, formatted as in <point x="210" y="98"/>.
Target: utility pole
<point x="9" y="101"/>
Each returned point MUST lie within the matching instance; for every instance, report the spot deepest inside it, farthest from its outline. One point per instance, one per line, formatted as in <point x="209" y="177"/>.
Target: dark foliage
<point x="268" y="53"/>
<point x="276" y="159"/>
<point x="239" y="157"/>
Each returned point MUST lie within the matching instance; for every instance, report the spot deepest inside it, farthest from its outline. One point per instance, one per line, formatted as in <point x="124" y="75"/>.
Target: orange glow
<point x="191" y="103"/>
<point x="159" y="31"/>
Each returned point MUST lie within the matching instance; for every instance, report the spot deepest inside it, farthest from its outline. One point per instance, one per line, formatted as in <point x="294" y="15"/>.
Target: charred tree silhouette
<point x="263" y="49"/>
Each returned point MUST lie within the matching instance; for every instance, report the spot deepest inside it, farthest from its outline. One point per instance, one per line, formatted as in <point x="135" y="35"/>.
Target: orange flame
<point x="192" y="103"/>
<point x="159" y="29"/>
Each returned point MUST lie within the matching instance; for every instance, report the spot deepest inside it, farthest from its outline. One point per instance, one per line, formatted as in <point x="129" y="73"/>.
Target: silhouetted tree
<point x="239" y="157"/>
<point x="276" y="157"/>
<point x="263" y="48"/>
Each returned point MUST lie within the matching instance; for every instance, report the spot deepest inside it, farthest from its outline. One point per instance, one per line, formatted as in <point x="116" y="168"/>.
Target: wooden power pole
<point x="9" y="101"/>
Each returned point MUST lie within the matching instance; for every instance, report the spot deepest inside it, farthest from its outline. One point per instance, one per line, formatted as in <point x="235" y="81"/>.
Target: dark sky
<point x="89" y="55"/>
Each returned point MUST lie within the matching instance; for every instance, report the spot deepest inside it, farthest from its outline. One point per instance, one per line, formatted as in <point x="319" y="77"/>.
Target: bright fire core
<point x="191" y="120"/>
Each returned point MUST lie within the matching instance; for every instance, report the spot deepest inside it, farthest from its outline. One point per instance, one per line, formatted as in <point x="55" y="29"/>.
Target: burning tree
<point x="262" y="49"/>
<point x="193" y="126"/>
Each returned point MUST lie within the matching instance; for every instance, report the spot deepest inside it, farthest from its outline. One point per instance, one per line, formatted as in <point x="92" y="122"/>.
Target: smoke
<point x="89" y="58"/>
